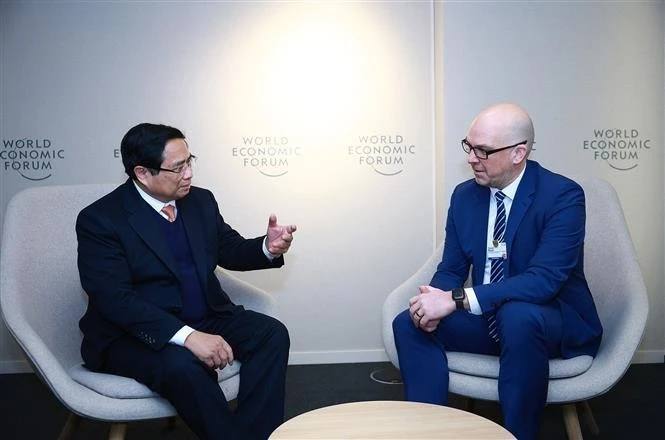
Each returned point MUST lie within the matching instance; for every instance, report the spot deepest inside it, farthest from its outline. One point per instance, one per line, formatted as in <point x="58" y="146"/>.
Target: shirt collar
<point x="157" y="205"/>
<point x="511" y="189"/>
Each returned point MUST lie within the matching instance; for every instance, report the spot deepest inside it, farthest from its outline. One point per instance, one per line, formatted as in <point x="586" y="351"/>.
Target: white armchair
<point x="42" y="301"/>
<point x="620" y="295"/>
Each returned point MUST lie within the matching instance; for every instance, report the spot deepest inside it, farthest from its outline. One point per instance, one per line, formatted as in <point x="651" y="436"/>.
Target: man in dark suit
<point x="529" y="299"/>
<point x="147" y="253"/>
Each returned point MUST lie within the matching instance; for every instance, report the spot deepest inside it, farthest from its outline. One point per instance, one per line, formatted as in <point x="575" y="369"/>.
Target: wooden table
<point x="389" y="420"/>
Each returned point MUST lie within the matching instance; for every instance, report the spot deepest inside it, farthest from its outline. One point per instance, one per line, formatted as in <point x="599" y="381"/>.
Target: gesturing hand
<point x="212" y="350"/>
<point x="279" y="237"/>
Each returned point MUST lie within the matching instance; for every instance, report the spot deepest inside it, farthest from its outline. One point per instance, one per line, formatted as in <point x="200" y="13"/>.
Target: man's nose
<point x="471" y="157"/>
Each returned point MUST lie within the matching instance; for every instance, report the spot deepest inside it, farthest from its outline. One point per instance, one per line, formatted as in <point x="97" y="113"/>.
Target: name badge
<point x="497" y="251"/>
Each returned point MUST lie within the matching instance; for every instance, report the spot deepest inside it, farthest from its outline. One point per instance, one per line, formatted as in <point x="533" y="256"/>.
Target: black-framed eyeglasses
<point x="482" y="153"/>
<point x="180" y="168"/>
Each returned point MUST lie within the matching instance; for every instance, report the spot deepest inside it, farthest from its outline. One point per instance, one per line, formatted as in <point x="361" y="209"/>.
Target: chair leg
<point x="572" y="422"/>
<point x="118" y="431"/>
<point x="70" y="426"/>
<point x="171" y="422"/>
<point x="464" y="403"/>
<point x="584" y="409"/>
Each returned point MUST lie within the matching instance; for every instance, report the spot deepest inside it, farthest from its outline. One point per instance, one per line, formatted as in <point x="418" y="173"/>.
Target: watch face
<point x="458" y="294"/>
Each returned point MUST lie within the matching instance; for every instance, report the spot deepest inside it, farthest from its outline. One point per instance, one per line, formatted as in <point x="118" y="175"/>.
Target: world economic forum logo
<point x="385" y="154"/>
<point x="621" y="148"/>
<point x="32" y="159"/>
<point x="269" y="155"/>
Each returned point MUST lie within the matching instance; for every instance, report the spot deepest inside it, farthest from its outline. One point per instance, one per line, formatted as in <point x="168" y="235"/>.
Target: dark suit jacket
<point x="130" y="274"/>
<point x="545" y="244"/>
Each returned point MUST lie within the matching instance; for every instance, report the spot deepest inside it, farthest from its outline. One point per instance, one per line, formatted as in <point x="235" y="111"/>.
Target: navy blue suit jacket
<point x="545" y="243"/>
<point x="131" y="277"/>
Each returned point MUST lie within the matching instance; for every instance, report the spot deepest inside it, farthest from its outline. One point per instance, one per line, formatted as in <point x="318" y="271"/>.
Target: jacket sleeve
<point x="453" y="269"/>
<point x="234" y="252"/>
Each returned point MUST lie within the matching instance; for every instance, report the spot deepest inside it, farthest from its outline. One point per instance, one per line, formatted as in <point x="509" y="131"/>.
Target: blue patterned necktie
<point x="496" y="269"/>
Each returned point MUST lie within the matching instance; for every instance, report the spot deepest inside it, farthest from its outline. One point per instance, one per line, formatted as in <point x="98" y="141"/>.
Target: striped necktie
<point x="169" y="210"/>
<point x="496" y="270"/>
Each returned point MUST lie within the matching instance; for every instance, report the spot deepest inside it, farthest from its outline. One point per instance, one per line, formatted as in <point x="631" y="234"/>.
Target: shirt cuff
<point x="268" y="255"/>
<point x="474" y="305"/>
<point x="181" y="335"/>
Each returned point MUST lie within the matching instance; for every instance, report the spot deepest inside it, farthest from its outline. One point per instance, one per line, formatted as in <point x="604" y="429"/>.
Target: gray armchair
<point x="621" y="299"/>
<point x="42" y="301"/>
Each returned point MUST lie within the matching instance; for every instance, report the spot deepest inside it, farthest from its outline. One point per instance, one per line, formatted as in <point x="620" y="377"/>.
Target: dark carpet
<point x="633" y="409"/>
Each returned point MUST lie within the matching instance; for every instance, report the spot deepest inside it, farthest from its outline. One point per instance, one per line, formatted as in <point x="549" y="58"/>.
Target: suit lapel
<point x="480" y="216"/>
<point x="142" y="221"/>
<point x="523" y="200"/>
<point x="192" y="218"/>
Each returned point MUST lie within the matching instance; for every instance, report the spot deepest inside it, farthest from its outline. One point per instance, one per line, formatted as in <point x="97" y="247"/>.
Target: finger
<point x="280" y="246"/>
<point x="424" y="289"/>
<point x="272" y="221"/>
<point x="432" y="325"/>
<point x="217" y="361"/>
<point x="429" y="329"/>
<point x="413" y="300"/>
<point x="229" y="353"/>
<point x="419" y="322"/>
<point x="291" y="229"/>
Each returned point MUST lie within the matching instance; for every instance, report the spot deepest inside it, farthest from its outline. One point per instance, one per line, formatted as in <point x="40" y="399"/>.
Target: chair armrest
<point x="243" y="293"/>
<point x="398" y="300"/>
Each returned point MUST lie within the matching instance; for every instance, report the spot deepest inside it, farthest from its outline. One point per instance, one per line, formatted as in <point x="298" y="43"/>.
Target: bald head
<point x="501" y="137"/>
<point x="506" y="123"/>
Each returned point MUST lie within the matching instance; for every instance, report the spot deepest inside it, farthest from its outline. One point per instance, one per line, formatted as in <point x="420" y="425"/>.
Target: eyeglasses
<point x="482" y="153"/>
<point x="180" y="168"/>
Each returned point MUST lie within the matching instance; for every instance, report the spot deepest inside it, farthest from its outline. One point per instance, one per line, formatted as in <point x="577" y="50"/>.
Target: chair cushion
<point x="488" y="366"/>
<point x="120" y="387"/>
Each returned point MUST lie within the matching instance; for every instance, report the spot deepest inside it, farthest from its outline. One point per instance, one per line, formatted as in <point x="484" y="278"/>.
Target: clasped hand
<point x="279" y="237"/>
<point x="429" y="307"/>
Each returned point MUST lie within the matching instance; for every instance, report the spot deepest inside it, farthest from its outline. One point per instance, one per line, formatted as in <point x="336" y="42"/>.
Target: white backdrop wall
<point x="324" y="114"/>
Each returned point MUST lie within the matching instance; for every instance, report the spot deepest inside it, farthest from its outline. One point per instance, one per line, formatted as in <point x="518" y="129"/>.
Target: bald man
<point x="518" y="229"/>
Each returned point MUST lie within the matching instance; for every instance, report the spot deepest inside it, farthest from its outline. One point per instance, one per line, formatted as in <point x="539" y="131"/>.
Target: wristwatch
<point x="458" y="296"/>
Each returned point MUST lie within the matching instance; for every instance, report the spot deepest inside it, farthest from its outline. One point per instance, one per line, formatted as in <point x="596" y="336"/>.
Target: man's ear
<point x="141" y="173"/>
<point x="519" y="154"/>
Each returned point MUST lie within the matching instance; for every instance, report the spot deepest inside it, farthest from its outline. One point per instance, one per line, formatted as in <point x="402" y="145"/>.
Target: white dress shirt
<point x="509" y="191"/>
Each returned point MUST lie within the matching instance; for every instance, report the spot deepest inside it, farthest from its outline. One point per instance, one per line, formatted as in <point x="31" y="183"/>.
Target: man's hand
<point x="429" y="307"/>
<point x="213" y="350"/>
<point x="279" y="237"/>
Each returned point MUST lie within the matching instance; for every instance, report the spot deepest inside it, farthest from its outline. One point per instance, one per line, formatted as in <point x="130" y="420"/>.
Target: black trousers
<point x="260" y="342"/>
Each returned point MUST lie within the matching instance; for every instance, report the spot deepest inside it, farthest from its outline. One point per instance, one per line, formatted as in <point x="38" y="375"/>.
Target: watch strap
<point x="458" y="295"/>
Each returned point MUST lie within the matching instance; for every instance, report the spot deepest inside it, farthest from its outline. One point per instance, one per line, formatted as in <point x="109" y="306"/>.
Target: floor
<point x="633" y="409"/>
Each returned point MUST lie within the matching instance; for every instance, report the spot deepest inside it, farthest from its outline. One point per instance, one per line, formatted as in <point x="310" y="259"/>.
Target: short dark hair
<point x="144" y="145"/>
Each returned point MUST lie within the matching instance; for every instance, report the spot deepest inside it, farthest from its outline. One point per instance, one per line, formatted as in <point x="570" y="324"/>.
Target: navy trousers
<point x="530" y="334"/>
<point x="260" y="342"/>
